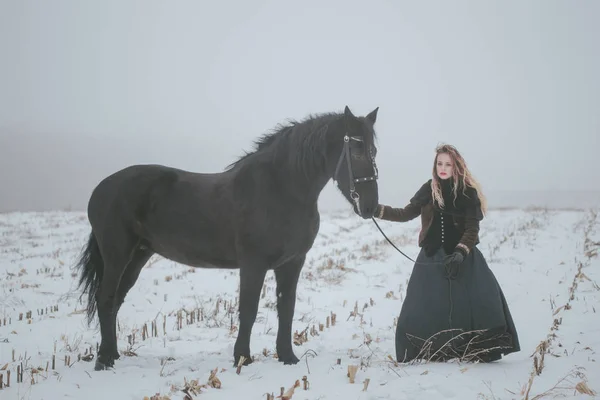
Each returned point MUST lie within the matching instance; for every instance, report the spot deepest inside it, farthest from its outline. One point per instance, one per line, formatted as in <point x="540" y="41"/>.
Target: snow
<point x="545" y="260"/>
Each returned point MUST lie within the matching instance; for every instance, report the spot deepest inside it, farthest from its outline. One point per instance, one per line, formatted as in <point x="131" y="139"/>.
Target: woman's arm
<point x="473" y="216"/>
<point x="405" y="214"/>
<point x="411" y="211"/>
<point x="469" y="237"/>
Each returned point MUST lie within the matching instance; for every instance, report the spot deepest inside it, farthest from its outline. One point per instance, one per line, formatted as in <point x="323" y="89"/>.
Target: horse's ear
<point x="348" y="113"/>
<point x="373" y="116"/>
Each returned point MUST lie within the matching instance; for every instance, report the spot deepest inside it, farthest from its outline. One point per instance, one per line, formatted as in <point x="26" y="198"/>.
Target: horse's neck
<point x="307" y="180"/>
<point x="305" y="186"/>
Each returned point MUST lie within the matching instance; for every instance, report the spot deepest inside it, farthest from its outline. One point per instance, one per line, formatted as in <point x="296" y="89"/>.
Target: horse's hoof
<point x="289" y="359"/>
<point x="100" y="366"/>
<point x="103" y="365"/>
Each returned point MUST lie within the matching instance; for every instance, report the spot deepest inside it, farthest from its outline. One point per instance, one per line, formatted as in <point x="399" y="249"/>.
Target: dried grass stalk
<point x="352" y="369"/>
<point x="213" y="380"/>
<point x="366" y="384"/>
<point x="469" y="346"/>
<point x="583" y="388"/>
<point x="290" y="392"/>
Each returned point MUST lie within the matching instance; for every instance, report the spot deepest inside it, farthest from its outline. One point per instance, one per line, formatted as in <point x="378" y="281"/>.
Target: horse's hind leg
<point x="140" y="256"/>
<point x="252" y="277"/>
<point x="117" y="250"/>
<point x="287" y="280"/>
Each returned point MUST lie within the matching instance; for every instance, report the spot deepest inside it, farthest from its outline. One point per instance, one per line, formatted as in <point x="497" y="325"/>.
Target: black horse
<point x="260" y="213"/>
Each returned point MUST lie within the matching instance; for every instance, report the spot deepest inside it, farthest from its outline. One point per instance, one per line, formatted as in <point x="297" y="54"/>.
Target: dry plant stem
<point x="240" y="364"/>
<point x="447" y="352"/>
<point x="213" y="380"/>
<point x="308" y="353"/>
<point x="489" y="386"/>
<point x="366" y="384"/>
<point x="352" y="369"/>
<point x="583" y="388"/>
<point x="305" y="382"/>
<point x="290" y="392"/>
<point x="544" y="346"/>
<point x="575" y="372"/>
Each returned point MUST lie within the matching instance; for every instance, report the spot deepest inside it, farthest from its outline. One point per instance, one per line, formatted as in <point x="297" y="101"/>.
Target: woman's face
<point x="444" y="166"/>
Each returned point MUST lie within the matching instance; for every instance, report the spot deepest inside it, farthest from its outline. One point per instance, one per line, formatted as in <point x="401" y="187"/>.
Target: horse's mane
<point x="294" y="140"/>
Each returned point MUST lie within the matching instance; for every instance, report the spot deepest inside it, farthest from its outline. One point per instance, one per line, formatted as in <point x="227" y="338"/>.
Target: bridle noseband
<point x="352" y="180"/>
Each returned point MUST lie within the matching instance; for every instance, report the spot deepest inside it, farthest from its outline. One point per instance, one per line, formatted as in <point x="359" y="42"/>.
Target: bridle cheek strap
<point x="351" y="179"/>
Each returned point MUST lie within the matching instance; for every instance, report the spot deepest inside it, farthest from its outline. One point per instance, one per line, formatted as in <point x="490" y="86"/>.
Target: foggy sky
<point x="87" y="88"/>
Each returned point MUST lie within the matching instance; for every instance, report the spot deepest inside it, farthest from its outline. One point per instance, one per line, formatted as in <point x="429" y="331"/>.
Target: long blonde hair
<point x="461" y="174"/>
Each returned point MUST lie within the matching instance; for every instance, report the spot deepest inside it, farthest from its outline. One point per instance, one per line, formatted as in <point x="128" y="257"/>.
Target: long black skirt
<point x="465" y="318"/>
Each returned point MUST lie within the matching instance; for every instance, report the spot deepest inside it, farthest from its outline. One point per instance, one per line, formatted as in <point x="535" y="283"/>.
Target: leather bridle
<point x="351" y="176"/>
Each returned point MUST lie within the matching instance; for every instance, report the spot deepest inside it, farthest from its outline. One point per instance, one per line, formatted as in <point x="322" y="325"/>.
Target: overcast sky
<point x="87" y="88"/>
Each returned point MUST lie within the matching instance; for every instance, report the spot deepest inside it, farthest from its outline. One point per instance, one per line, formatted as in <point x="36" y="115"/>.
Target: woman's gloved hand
<point x="452" y="264"/>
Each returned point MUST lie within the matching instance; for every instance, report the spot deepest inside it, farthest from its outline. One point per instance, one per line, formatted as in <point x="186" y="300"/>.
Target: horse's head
<point x="356" y="171"/>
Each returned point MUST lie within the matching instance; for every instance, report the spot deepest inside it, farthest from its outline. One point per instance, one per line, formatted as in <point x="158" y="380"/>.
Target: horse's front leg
<point x="252" y="277"/>
<point x="287" y="280"/>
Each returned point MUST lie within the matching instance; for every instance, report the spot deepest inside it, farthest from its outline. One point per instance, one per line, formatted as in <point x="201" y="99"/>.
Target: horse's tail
<point x="91" y="267"/>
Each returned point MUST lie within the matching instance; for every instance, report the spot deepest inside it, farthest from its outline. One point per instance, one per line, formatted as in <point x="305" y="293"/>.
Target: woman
<point x="454" y="307"/>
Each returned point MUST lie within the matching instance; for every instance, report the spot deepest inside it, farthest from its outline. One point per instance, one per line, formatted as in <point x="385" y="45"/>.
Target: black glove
<point x="452" y="263"/>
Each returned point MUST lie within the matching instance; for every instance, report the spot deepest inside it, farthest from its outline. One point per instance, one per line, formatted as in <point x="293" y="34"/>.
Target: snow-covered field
<point x="546" y="261"/>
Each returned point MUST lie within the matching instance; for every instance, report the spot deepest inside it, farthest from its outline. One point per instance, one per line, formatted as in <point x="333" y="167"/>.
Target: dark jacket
<point x="464" y="214"/>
